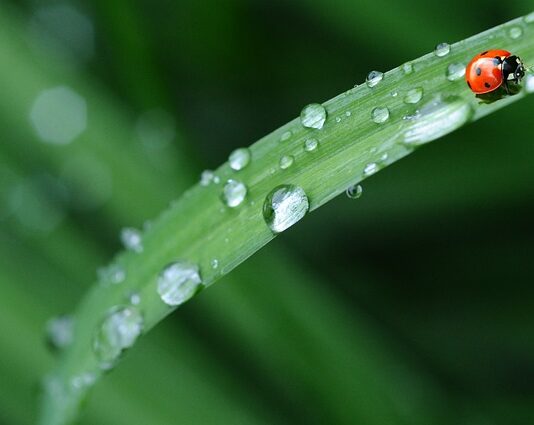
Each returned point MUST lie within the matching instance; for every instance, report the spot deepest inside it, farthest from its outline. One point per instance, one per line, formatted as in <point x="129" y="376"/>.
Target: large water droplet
<point x="529" y="83"/>
<point x="437" y="118"/>
<point x="118" y="331"/>
<point x="239" y="159"/>
<point x="370" y="169"/>
<point x="207" y="177"/>
<point x="455" y="71"/>
<point x="284" y="206"/>
<point x="286" y="161"/>
<point x="354" y="192"/>
<point x="313" y="116"/>
<point x="442" y="49"/>
<point x="310" y="145"/>
<point x="59" y="331"/>
<point x="515" y="32"/>
<point x="178" y="282"/>
<point x="414" y="95"/>
<point x="380" y="114"/>
<point x="234" y="193"/>
<point x="131" y="239"/>
<point x="373" y="78"/>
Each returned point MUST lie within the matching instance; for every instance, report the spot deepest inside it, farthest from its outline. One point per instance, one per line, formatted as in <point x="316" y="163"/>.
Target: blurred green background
<point x="411" y="305"/>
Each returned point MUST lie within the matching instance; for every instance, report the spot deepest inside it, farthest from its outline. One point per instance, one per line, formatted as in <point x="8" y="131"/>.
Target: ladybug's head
<point x="513" y="68"/>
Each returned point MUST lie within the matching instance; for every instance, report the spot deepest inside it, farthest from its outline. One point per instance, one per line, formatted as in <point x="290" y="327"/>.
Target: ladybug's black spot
<point x="478" y="71"/>
<point x="484" y="53"/>
<point x="487" y="85"/>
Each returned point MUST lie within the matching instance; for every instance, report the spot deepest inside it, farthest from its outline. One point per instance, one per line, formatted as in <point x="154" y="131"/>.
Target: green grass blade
<point x="199" y="228"/>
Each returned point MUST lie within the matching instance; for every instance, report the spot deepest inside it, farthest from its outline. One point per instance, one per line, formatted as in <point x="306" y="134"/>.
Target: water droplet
<point x="286" y="161"/>
<point x="529" y="19"/>
<point x="380" y="114"/>
<point x="348" y="114"/>
<point x="118" y="331"/>
<point x="214" y="263"/>
<point x="515" y="32"/>
<point x="284" y="206"/>
<point x="455" y="71"/>
<point x="310" y="145"/>
<point x="207" y="177"/>
<point x="285" y="136"/>
<point x="384" y="157"/>
<point x="394" y="93"/>
<point x="59" y="331"/>
<point x="529" y="83"/>
<point x="313" y="116"/>
<point x="373" y="78"/>
<point x="442" y="49"/>
<point x="83" y="381"/>
<point x="338" y="120"/>
<point x="59" y="115"/>
<point x="131" y="239"/>
<point x="407" y="68"/>
<point x="114" y="274"/>
<point x="437" y="118"/>
<point x="239" y="159"/>
<point x="178" y="282"/>
<point x="134" y="298"/>
<point x="234" y="193"/>
<point x="414" y="95"/>
<point x="370" y="169"/>
<point x="355" y="191"/>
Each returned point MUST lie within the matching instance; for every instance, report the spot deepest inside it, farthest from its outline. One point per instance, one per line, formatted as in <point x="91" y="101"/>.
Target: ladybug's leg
<point x="506" y="87"/>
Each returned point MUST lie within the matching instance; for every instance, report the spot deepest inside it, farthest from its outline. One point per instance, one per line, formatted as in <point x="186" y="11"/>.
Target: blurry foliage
<point x="410" y="305"/>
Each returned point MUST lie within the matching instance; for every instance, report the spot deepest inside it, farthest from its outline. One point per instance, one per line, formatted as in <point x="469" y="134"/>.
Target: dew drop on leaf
<point x="413" y="95"/>
<point x="284" y="206"/>
<point x="233" y="193"/>
<point x="131" y="239"/>
<point x="310" y="145"/>
<point x="59" y="331"/>
<point x="442" y="49"/>
<point x="380" y="114"/>
<point x="455" y="71"/>
<point x="286" y="161"/>
<point x="373" y="78"/>
<point x="313" y="116"/>
<point x="178" y="282"/>
<point x="354" y="192"/>
<point x="239" y="159"/>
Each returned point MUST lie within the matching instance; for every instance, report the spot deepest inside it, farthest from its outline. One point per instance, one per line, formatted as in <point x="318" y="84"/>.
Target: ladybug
<point x="490" y="69"/>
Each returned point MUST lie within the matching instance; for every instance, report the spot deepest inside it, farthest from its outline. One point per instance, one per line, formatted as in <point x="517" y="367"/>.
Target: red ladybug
<point x="490" y="69"/>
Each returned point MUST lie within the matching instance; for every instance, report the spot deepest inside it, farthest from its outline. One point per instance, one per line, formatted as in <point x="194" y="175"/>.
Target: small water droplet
<point x="436" y="118"/>
<point x="131" y="239"/>
<point x="178" y="282"/>
<point x="310" y="145"/>
<point x="442" y="49"/>
<point x="82" y="381"/>
<point x="285" y="136"/>
<point x="529" y="19"/>
<point x="414" y="95"/>
<point x="394" y="93"/>
<point x="354" y="192"/>
<point x="59" y="332"/>
<point x="338" y="120"/>
<point x="239" y="159"/>
<point x="113" y="273"/>
<point x="214" y="263"/>
<point x="207" y="177"/>
<point x="286" y="161"/>
<point x="118" y="331"/>
<point x="313" y="116"/>
<point x="370" y="169"/>
<point x="348" y="114"/>
<point x="455" y="71"/>
<point x="407" y="68"/>
<point x="373" y="78"/>
<point x="284" y="206"/>
<point x="515" y="32"/>
<point x="380" y="114"/>
<point x="529" y="83"/>
<point x="134" y="298"/>
<point x="384" y="157"/>
<point x="234" y="193"/>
